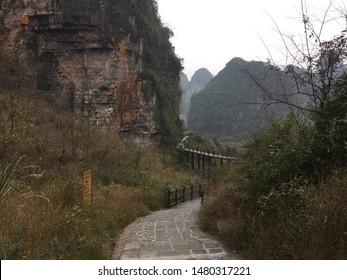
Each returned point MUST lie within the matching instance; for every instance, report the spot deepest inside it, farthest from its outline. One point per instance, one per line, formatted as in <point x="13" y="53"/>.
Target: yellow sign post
<point x="87" y="186"/>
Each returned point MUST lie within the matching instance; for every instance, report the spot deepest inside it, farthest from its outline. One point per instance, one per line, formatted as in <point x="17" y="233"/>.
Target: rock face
<point x="88" y="56"/>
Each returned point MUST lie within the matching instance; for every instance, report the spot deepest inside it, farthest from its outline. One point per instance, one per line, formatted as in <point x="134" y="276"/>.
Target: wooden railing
<point x="182" y="194"/>
<point x="203" y="159"/>
<point x="208" y="154"/>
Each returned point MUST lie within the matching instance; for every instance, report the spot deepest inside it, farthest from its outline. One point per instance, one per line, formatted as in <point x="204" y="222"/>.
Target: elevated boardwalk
<point x="199" y="158"/>
<point x="207" y="154"/>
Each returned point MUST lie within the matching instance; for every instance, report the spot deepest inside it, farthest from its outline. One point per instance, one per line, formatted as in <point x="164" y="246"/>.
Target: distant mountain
<point x="233" y="104"/>
<point x="198" y="82"/>
<point x="184" y="82"/>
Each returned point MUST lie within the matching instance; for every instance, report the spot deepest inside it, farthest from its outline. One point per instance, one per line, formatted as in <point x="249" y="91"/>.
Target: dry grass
<point x="326" y="235"/>
<point x="46" y="218"/>
<point x="223" y="214"/>
<point x="315" y="230"/>
<point x="43" y="226"/>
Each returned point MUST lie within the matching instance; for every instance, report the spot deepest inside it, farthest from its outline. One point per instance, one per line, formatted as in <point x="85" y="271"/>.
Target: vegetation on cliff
<point x="161" y="66"/>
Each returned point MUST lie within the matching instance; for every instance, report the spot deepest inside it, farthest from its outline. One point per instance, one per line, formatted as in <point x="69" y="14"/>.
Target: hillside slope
<point x="233" y="104"/>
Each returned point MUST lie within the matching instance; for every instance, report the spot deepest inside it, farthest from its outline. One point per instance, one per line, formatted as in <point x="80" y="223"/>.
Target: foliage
<point x="275" y="206"/>
<point x="286" y="195"/>
<point x="46" y="229"/>
<point x="6" y="184"/>
<point x="171" y="128"/>
<point x="330" y="139"/>
<point x="9" y="174"/>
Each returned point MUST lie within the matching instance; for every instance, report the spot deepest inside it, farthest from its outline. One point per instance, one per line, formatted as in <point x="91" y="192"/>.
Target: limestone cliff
<point x="103" y="59"/>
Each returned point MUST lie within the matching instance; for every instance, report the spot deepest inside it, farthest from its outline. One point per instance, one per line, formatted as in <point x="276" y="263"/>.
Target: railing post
<point x="199" y="190"/>
<point x="176" y="196"/>
<point x="191" y="192"/>
<point x="168" y="198"/>
<point x="202" y="196"/>
<point x="199" y="158"/>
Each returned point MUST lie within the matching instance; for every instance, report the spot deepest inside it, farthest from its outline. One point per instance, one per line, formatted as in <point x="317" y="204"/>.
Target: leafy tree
<point x="331" y="128"/>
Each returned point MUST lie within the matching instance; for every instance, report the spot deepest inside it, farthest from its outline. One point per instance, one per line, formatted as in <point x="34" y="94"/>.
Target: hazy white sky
<point x="209" y="33"/>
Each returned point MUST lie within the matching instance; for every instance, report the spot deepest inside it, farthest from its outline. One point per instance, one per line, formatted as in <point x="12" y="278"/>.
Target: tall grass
<point x="46" y="219"/>
<point x="10" y="175"/>
<point x="41" y="227"/>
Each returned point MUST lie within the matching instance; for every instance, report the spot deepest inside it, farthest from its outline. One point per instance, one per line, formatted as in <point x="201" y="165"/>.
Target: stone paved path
<point x="169" y="234"/>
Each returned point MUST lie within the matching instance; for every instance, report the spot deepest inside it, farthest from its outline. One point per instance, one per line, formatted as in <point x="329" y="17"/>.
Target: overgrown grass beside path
<point x="43" y="153"/>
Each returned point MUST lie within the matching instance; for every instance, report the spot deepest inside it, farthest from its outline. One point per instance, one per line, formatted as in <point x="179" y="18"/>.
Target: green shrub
<point x="293" y="196"/>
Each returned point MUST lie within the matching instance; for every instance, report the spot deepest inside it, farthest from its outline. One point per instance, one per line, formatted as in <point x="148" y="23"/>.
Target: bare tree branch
<point x="315" y="62"/>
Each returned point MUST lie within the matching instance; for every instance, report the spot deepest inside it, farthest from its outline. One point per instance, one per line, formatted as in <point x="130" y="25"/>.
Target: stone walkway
<point x="169" y="234"/>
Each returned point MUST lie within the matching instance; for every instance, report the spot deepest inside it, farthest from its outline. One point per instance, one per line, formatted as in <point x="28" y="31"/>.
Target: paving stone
<point x="150" y="255"/>
<point x="131" y="255"/>
<point x="163" y="247"/>
<point x="196" y="247"/>
<point x="180" y="247"/>
<point x="212" y="245"/>
<point x="133" y="245"/>
<point x="199" y="252"/>
<point x="173" y="253"/>
<point x="215" y="251"/>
